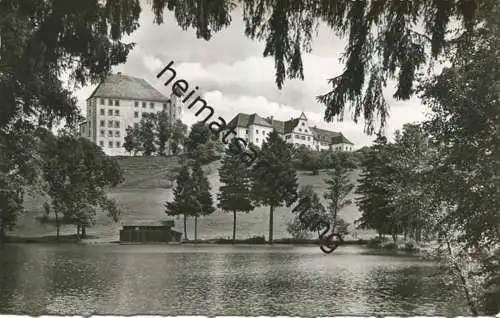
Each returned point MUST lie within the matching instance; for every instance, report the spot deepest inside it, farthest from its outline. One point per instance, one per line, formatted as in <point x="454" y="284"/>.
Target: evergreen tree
<point x="202" y="195"/>
<point x="234" y="192"/>
<point x="179" y="132"/>
<point x="274" y="178"/>
<point x="374" y="191"/>
<point x="163" y="127"/>
<point x="184" y="197"/>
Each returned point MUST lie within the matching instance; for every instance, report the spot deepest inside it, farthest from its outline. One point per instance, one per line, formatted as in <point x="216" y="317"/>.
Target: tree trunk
<point x="185" y="228"/>
<point x="84" y="231"/>
<point x="2" y="233"/>
<point x="78" y="231"/>
<point x="234" y="226"/>
<point x="463" y="280"/>
<point x="195" y="227"/>
<point x="271" y="212"/>
<point x="57" y="223"/>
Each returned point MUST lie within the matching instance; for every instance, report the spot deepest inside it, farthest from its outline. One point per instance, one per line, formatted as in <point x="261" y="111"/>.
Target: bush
<point x="410" y="247"/>
<point x="390" y="246"/>
<point x="255" y="240"/>
<point x="377" y="241"/>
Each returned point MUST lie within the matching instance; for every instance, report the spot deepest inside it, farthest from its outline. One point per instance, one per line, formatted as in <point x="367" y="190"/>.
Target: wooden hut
<point x="150" y="233"/>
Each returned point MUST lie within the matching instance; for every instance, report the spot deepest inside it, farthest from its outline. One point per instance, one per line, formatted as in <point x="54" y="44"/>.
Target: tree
<point x="202" y="196"/>
<point x="338" y="189"/>
<point x="274" y="179"/>
<point x="311" y="216"/>
<point x="164" y="131"/>
<point x="132" y="143"/>
<point x="465" y="176"/>
<point x="184" y="197"/>
<point x="374" y="191"/>
<point x="39" y="42"/>
<point x="147" y="134"/>
<point x="179" y="132"/>
<point x="20" y="165"/>
<point x="234" y="192"/>
<point x="77" y="171"/>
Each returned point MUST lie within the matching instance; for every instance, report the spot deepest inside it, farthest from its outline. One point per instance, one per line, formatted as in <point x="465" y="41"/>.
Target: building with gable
<point x="118" y="102"/>
<point x="297" y="131"/>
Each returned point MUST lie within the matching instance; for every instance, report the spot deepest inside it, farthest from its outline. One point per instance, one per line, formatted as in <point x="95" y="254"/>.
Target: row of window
<point x="111" y="124"/>
<point x="116" y="112"/>
<point x="110" y="102"/>
<point x="116" y="102"/>
<point x="151" y="105"/>
<point x="110" y="133"/>
<point x="110" y="144"/>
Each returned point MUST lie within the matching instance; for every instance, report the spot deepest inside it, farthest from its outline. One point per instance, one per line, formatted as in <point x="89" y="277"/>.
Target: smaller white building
<point x="297" y="131"/>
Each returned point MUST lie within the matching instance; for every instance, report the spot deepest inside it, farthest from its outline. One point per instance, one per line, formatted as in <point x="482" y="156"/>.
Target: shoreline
<point x="424" y="253"/>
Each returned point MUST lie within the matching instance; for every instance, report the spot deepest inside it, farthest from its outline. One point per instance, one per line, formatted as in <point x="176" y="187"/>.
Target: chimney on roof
<point x="271" y="119"/>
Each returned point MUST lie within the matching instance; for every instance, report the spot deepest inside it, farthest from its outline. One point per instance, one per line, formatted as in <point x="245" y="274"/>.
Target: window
<point x="143" y="104"/>
<point x="256" y="131"/>
<point x="300" y="129"/>
<point x="117" y="102"/>
<point x="110" y="102"/>
<point x="136" y="114"/>
<point x="102" y="101"/>
<point x="303" y="137"/>
<point x="256" y="139"/>
<point x="117" y="133"/>
<point x="101" y="143"/>
<point x="303" y="124"/>
<point x="151" y="105"/>
<point x="110" y="133"/>
<point x="246" y="131"/>
<point x="110" y="144"/>
<point x="117" y="144"/>
<point x="297" y="137"/>
<point x="308" y="138"/>
<point x="103" y="123"/>
<point x="110" y="112"/>
<point x="305" y="130"/>
<point x="110" y="123"/>
<point x="102" y="112"/>
<point x="102" y="133"/>
<point x="263" y="132"/>
<point x="164" y="106"/>
<point x="136" y="104"/>
<point x="117" y="112"/>
<point x="117" y="124"/>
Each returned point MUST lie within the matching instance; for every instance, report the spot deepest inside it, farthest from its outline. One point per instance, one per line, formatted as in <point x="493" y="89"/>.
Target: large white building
<point x="255" y="129"/>
<point x="119" y="102"/>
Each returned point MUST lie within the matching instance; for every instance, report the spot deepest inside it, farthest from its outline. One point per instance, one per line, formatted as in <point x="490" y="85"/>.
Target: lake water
<point x="219" y="280"/>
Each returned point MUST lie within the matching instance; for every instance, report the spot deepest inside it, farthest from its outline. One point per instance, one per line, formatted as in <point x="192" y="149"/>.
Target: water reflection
<point x="211" y="280"/>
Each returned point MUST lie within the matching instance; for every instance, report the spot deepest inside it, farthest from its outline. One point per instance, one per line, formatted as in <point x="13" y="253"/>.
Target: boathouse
<point x="150" y="233"/>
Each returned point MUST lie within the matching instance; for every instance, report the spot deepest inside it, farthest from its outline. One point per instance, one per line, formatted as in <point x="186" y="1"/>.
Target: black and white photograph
<point x="300" y="158"/>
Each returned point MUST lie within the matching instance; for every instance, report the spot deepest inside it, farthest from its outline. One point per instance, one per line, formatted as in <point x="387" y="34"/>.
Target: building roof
<point x="245" y="120"/>
<point x="285" y="127"/>
<point x="330" y="136"/>
<point x="127" y="87"/>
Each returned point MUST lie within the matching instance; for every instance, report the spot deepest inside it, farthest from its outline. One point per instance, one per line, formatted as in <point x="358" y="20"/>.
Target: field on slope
<point x="147" y="186"/>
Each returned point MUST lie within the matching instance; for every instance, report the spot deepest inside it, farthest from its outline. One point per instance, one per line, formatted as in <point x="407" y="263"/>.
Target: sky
<point x="234" y="77"/>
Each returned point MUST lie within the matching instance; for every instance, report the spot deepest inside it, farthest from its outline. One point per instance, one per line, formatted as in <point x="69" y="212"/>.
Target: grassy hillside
<point x="147" y="186"/>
